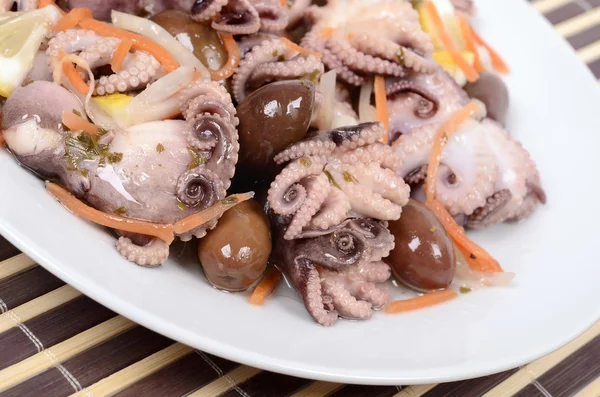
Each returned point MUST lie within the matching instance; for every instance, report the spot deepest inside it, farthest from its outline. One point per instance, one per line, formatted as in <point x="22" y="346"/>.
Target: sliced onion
<point x="157" y="33"/>
<point x="93" y="111"/>
<point x="473" y="279"/>
<point x="366" y="111"/>
<point x="159" y="100"/>
<point x="327" y="89"/>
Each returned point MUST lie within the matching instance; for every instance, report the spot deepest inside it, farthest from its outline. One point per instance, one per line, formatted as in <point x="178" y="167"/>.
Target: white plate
<point x="555" y="112"/>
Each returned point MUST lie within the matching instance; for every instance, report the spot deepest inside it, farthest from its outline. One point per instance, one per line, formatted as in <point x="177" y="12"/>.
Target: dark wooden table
<point x="54" y="341"/>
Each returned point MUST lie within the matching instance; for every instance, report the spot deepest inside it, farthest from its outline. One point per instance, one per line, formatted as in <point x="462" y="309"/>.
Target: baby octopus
<point x="159" y="171"/>
<point x="359" y="37"/>
<point x="139" y="68"/>
<point x="337" y="272"/>
<point x="343" y="173"/>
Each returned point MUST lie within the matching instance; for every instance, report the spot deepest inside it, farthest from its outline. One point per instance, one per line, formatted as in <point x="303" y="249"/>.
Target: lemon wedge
<point x="114" y="104"/>
<point x="21" y="34"/>
<point x="445" y="60"/>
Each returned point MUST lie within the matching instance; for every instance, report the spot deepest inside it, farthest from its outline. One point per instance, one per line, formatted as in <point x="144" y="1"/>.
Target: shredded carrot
<point x="283" y="3"/>
<point x="467" y="34"/>
<point x="497" y="60"/>
<point x="78" y="123"/>
<point x="72" y="19"/>
<point x="467" y="246"/>
<point x="326" y="33"/>
<point x="472" y="261"/>
<point x="448" y="44"/>
<point x="74" y="77"/>
<point x="233" y="59"/>
<point x="420" y="302"/>
<point x="123" y="49"/>
<point x="295" y="47"/>
<point x="444" y="133"/>
<point x="381" y="106"/>
<point x="265" y="287"/>
<point x="138" y="42"/>
<point x="70" y="202"/>
<point x="200" y="218"/>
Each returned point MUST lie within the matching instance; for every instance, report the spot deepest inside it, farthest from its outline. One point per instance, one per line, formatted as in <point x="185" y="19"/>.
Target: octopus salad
<point x="344" y="147"/>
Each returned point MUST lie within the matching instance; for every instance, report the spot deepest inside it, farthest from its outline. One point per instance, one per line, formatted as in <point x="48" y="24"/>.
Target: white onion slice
<point x="327" y="89"/>
<point x="159" y="101"/>
<point x="157" y="33"/>
<point x="473" y="279"/>
<point x="366" y="111"/>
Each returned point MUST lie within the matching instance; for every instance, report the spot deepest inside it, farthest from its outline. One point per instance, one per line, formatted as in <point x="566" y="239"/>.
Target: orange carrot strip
<point x="283" y="3"/>
<point x="381" y="106"/>
<point x="123" y="49"/>
<point x="497" y="60"/>
<point x="467" y="34"/>
<point x="233" y="60"/>
<point x="72" y="19"/>
<point x="78" y="123"/>
<point x="74" y="77"/>
<point x="438" y="26"/>
<point x="472" y="261"/>
<point x="200" y="218"/>
<point x="459" y="237"/>
<point x="326" y="32"/>
<point x="444" y="133"/>
<point x="265" y="287"/>
<point x="296" y="47"/>
<point x="70" y="202"/>
<point x="138" y="42"/>
<point x="420" y="302"/>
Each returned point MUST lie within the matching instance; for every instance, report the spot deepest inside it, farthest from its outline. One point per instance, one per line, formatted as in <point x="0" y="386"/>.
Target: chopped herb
<point x="281" y="58"/>
<point x="121" y="211"/>
<point x="196" y="159"/>
<point x="305" y="161"/>
<point x="465" y="290"/>
<point x="85" y="146"/>
<point x="313" y="76"/>
<point x="114" y="157"/>
<point x="400" y="55"/>
<point x="160" y="148"/>
<point x="84" y="173"/>
<point x="433" y="229"/>
<point x="332" y="179"/>
<point x="275" y="54"/>
<point x="182" y="206"/>
<point x="78" y="113"/>
<point x="473" y="256"/>
<point x="102" y="131"/>
<point x="229" y="200"/>
<point x="348" y="177"/>
<point x="26" y="83"/>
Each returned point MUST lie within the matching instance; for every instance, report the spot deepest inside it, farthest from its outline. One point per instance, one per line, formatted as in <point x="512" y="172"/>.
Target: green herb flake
<point x="196" y="159"/>
<point x="332" y="179"/>
<point x="182" y="206"/>
<point x="464" y="290"/>
<point x="433" y="229"/>
<point x="114" y="157"/>
<point x="400" y="55"/>
<point x="281" y="58"/>
<point x="121" y="211"/>
<point x="313" y="76"/>
<point x="348" y="177"/>
<point x="85" y="146"/>
<point x="78" y="113"/>
<point x="275" y="54"/>
<point x="305" y="161"/>
<point x="229" y="200"/>
<point x="160" y="148"/>
<point x="102" y="131"/>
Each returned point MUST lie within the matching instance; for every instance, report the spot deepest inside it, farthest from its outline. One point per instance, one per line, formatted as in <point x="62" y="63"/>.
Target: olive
<point x="423" y="257"/>
<point x="204" y="40"/>
<point x="271" y="118"/>
<point x="491" y="90"/>
<point x="234" y="254"/>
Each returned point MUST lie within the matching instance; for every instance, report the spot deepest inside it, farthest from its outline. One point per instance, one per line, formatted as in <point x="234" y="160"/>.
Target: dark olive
<point x="234" y="254"/>
<point x="491" y="90"/>
<point x="205" y="41"/>
<point x="271" y="118"/>
<point x="423" y="257"/>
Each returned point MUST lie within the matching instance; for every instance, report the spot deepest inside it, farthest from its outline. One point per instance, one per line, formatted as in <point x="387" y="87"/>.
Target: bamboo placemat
<point x="54" y="341"/>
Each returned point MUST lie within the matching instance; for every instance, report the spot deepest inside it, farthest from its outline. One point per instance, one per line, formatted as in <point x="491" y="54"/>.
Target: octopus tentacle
<point x="205" y="10"/>
<point x="375" y="271"/>
<point x="139" y="70"/>
<point x="368" y="203"/>
<point x="153" y="254"/>
<point x="379" y="180"/>
<point x="377" y="152"/>
<point x="69" y="41"/>
<point x="429" y="104"/>
<point x="312" y="296"/>
<point x="286" y="196"/>
<point x="298" y="67"/>
<point x="199" y="187"/>
<point x="200" y="231"/>
<point x="351" y="137"/>
<point x="346" y="305"/>
<point x="377" y="296"/>
<point x="100" y="52"/>
<point x="491" y="213"/>
<point x="237" y="17"/>
<point x="314" y="147"/>
<point x="364" y="62"/>
<point x="297" y="10"/>
<point x="317" y="189"/>
<point x="334" y="210"/>
<point x="274" y="16"/>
